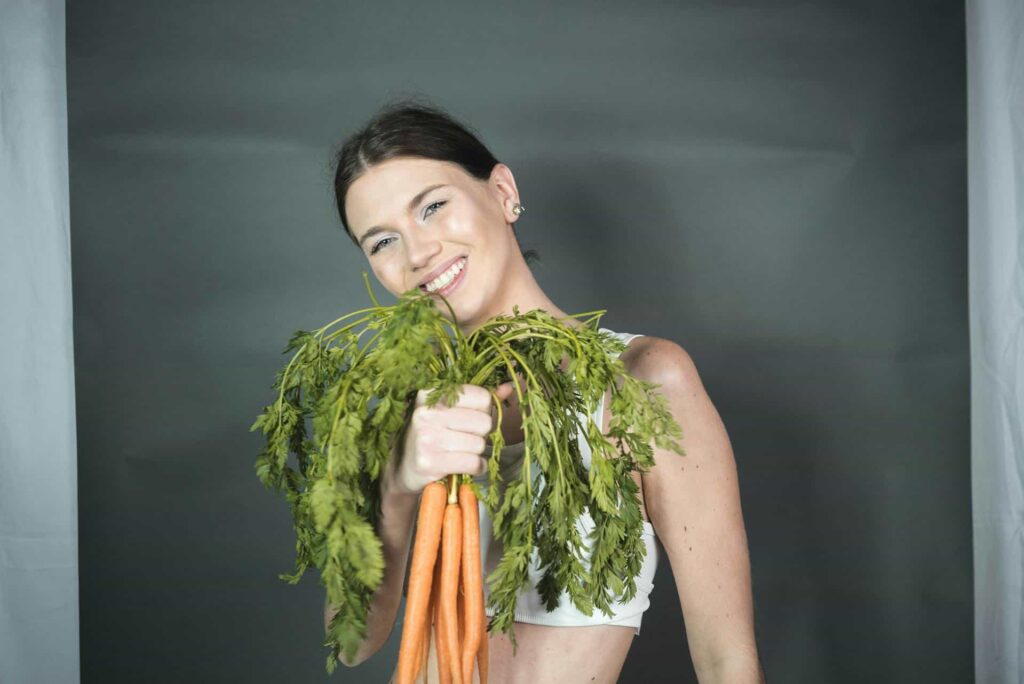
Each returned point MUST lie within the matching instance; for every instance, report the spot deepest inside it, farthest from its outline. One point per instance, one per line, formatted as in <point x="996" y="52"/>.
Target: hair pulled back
<point x="409" y="128"/>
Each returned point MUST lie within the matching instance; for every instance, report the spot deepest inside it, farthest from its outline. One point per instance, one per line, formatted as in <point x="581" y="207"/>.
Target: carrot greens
<point x="341" y="406"/>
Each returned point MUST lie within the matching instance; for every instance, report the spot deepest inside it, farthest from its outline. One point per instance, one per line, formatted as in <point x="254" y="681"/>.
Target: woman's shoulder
<point x="659" y="360"/>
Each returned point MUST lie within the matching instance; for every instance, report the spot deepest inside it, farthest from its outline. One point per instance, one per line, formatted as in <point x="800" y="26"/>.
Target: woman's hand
<point x="443" y="439"/>
<point x="437" y="441"/>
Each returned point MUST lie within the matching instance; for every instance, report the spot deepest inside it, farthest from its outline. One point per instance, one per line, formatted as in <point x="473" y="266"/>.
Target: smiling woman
<point x="430" y="207"/>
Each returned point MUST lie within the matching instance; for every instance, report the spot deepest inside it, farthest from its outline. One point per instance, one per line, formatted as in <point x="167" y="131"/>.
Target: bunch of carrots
<point x="445" y="591"/>
<point x="341" y="404"/>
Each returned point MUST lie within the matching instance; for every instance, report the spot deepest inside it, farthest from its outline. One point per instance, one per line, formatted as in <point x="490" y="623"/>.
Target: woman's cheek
<point x="391" y="282"/>
<point x="384" y="277"/>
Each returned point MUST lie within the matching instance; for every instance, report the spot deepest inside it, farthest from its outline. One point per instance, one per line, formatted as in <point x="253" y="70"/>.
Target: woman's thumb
<point x="504" y="390"/>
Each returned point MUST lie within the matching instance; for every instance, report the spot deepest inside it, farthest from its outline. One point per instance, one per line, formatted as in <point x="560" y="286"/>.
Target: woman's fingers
<point x="467" y="420"/>
<point x="453" y="440"/>
<point x="470" y="464"/>
<point x="470" y="396"/>
<point x="474" y="397"/>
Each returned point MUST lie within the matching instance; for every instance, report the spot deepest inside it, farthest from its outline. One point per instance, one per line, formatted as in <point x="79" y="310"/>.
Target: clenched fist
<point x="443" y="439"/>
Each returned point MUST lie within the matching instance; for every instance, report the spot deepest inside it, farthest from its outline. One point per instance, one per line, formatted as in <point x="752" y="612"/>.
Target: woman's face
<point x="416" y="219"/>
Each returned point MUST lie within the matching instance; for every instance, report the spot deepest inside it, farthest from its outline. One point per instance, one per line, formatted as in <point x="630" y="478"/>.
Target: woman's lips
<point x="433" y="275"/>
<point x="450" y="287"/>
<point x="456" y="281"/>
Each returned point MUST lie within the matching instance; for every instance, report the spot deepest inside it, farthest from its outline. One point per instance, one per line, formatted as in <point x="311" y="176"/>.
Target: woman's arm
<point x="693" y="502"/>
<point x="398" y="517"/>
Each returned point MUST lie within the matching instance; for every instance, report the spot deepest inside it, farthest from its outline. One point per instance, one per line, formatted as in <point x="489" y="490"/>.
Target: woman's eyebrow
<point x="409" y="207"/>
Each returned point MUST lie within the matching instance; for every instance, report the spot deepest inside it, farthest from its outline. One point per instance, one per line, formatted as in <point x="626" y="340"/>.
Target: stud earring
<point x="518" y="209"/>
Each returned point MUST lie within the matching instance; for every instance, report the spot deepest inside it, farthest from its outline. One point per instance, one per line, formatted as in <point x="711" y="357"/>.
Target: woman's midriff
<point x="552" y="655"/>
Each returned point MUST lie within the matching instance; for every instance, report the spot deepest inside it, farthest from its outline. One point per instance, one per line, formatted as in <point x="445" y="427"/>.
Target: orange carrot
<point x="451" y="560"/>
<point x="472" y="581"/>
<point x="460" y="614"/>
<point x="424" y="554"/>
<point x="440" y="635"/>
<point x="424" y="648"/>
<point x="482" y="657"/>
<point x="426" y="653"/>
<point x="419" y="657"/>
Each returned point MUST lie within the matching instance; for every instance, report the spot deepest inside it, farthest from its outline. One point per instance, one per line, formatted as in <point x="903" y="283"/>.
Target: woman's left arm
<point x="693" y="502"/>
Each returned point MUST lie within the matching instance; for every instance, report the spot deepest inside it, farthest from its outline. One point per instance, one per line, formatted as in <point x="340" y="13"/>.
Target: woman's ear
<point x="503" y="185"/>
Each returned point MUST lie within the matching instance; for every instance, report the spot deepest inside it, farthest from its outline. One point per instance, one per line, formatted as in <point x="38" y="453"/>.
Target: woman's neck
<point x="520" y="290"/>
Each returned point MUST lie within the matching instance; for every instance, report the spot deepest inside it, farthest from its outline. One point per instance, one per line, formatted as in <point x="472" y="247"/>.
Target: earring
<point x="518" y="209"/>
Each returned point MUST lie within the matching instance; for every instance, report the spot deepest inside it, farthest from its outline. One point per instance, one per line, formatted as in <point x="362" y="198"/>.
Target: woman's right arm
<point x="438" y="441"/>
<point x="397" y="519"/>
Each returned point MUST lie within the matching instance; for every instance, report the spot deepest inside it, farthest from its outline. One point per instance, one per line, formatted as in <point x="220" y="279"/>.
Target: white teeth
<point x="446" y="277"/>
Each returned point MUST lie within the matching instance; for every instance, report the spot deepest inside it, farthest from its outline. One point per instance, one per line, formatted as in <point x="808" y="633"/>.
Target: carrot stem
<point x="453" y="489"/>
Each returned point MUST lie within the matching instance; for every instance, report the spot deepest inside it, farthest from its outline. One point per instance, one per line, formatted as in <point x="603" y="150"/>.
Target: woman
<point x="431" y="207"/>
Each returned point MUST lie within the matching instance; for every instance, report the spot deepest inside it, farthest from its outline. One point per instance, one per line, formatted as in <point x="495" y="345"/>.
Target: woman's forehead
<point x="385" y="189"/>
<point x="408" y="170"/>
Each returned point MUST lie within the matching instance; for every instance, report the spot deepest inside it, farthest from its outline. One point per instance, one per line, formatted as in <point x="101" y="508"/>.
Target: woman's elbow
<point x="738" y="666"/>
<point x="350" y="663"/>
<point x="362" y="654"/>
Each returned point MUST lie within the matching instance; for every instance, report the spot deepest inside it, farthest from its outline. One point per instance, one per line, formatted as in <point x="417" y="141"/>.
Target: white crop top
<point x="529" y="606"/>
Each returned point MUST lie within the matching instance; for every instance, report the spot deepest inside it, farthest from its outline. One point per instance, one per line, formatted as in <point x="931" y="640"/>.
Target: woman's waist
<point x="587" y="655"/>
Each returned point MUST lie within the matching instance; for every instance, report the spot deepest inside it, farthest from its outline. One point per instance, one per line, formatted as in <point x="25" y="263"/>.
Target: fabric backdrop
<point x="38" y="499"/>
<point x="995" y="60"/>
<point x="778" y="186"/>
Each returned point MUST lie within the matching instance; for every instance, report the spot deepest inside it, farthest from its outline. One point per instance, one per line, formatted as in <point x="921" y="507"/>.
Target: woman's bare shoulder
<point x="660" y="360"/>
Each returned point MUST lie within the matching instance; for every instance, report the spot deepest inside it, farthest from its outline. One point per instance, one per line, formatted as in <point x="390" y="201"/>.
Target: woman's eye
<point x="437" y="204"/>
<point x="379" y="244"/>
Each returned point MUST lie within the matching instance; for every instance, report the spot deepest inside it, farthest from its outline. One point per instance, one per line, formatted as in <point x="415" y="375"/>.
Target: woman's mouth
<point x="446" y="283"/>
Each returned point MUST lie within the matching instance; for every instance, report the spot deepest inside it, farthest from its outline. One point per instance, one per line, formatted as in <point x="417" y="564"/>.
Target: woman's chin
<point x="447" y="309"/>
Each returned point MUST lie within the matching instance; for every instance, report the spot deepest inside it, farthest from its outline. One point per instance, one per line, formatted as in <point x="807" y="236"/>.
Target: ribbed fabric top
<point x="530" y="607"/>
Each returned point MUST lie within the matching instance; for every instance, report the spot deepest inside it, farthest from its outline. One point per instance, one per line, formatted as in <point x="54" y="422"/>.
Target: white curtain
<point x="995" y="123"/>
<point x="38" y="493"/>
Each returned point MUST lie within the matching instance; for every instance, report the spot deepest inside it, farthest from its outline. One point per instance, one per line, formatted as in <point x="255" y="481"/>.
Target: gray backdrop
<point x="777" y="186"/>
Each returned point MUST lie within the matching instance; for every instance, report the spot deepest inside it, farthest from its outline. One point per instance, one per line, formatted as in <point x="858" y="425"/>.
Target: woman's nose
<point x="422" y="249"/>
